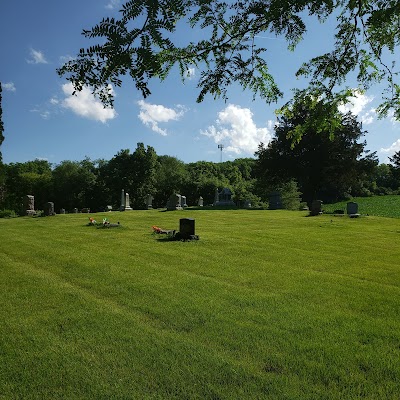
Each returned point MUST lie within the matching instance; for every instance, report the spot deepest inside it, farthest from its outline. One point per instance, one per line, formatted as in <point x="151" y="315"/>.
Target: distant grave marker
<point x="316" y="207"/>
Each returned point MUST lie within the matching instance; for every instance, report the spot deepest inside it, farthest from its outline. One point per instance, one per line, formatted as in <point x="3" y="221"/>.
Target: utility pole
<point x="221" y="146"/>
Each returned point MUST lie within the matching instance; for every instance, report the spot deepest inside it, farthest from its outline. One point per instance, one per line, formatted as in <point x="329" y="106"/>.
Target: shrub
<point x="8" y="214"/>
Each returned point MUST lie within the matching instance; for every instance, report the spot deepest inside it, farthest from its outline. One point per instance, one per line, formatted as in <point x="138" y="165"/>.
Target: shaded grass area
<point x="267" y="304"/>
<point x="380" y="206"/>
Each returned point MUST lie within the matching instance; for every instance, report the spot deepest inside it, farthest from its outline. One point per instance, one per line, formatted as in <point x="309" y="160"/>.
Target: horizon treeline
<point x="95" y="184"/>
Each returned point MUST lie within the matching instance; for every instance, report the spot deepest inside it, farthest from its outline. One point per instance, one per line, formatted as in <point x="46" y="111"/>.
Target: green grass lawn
<point x="266" y="305"/>
<point x="380" y="206"/>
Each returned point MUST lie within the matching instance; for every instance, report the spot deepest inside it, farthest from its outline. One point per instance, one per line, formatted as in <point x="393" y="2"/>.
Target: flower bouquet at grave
<point x="107" y="224"/>
<point x="92" y="221"/>
<point x="158" y="230"/>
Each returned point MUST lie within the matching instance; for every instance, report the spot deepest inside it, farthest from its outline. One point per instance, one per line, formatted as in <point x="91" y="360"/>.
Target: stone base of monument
<point x="354" y="215"/>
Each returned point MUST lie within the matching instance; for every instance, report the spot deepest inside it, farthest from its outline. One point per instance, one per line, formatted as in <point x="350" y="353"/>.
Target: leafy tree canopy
<point x="145" y="43"/>
<point x="324" y="167"/>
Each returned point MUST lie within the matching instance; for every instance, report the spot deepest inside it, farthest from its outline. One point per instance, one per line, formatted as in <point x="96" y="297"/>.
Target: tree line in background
<point x="317" y="152"/>
<point x="314" y="170"/>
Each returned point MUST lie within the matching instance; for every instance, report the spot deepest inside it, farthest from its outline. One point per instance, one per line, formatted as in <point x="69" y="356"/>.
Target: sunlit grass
<point x="267" y="304"/>
<point x="381" y="206"/>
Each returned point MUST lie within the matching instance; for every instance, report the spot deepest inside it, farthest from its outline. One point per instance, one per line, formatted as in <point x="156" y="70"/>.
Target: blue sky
<point x="42" y="120"/>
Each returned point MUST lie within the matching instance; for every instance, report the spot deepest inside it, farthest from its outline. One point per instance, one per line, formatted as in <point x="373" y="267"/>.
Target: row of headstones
<point x="178" y="202"/>
<point x="29" y="205"/>
<point x="351" y="208"/>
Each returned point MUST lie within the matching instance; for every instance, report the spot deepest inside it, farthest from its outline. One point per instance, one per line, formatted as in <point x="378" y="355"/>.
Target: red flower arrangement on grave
<point x="156" y="229"/>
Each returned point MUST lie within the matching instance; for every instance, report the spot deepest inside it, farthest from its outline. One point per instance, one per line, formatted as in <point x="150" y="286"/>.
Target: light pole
<point x="221" y="146"/>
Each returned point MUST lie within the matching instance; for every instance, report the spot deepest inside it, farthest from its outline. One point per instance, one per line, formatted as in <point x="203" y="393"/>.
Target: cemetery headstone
<point x="225" y="198"/>
<point x="49" y="208"/>
<point x="183" y="201"/>
<point x="174" y="202"/>
<point x="275" y="201"/>
<point x="108" y="208"/>
<point x="200" y="202"/>
<point x="316" y="207"/>
<point x="127" y="202"/>
<point x="216" y="197"/>
<point x="29" y="204"/>
<point x="75" y="210"/>
<point x="62" y="210"/>
<point x="149" y="201"/>
<point x="122" y="206"/>
<point x="352" y="209"/>
<point x="187" y="228"/>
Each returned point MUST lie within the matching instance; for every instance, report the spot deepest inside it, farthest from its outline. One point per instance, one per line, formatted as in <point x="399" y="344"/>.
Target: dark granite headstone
<point x="316" y="207"/>
<point x="275" y="201"/>
<point x="352" y="208"/>
<point x="49" y="208"/>
<point x="186" y="227"/>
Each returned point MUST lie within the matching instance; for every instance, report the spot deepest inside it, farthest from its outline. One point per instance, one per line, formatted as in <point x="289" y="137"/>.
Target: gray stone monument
<point x="200" y="202"/>
<point x="216" y="197"/>
<point x="62" y="210"/>
<point x="122" y="206"/>
<point x="75" y="210"/>
<point x="127" y="202"/>
<point x="183" y="201"/>
<point x="352" y="208"/>
<point x="29" y="204"/>
<point x="149" y="201"/>
<point x="49" y="208"/>
<point x="108" y="208"/>
<point x="316" y="207"/>
<point x="174" y="202"/>
<point x="224" y="198"/>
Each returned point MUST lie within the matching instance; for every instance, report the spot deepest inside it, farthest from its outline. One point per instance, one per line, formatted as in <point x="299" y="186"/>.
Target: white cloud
<point x="112" y="4"/>
<point x="65" y="59"/>
<point x="37" y="57"/>
<point x="54" y="101"/>
<point x="86" y="105"/>
<point x="9" y="86"/>
<point x="395" y="147"/>
<point x="45" y="114"/>
<point x="357" y="105"/>
<point x="152" y="114"/>
<point x="236" y="129"/>
<point x="369" y="117"/>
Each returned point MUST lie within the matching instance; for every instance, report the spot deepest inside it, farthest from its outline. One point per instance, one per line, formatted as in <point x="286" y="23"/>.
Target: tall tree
<point x="171" y="177"/>
<point x="134" y="172"/>
<point x="32" y="177"/>
<point x="145" y="42"/>
<point x="74" y="183"/>
<point x="324" y="167"/>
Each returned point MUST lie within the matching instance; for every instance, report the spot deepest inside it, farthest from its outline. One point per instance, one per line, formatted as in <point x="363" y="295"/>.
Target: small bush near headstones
<point x="8" y="214"/>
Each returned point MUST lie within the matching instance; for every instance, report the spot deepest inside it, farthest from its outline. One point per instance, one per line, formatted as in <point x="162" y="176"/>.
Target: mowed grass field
<point x="381" y="206"/>
<point x="266" y="305"/>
